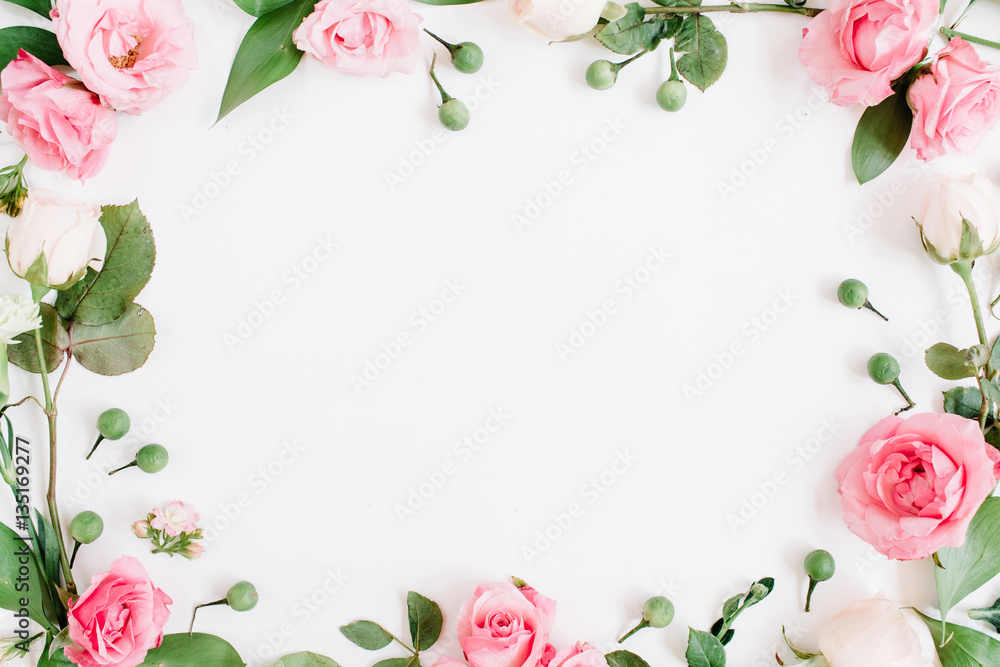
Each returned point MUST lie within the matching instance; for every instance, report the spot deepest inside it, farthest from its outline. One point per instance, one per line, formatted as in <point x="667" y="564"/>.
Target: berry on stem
<point x="672" y="93"/>
<point x="467" y="57"/>
<point x="150" y="459"/>
<point x="884" y="369"/>
<point x="85" y="528"/>
<point x="242" y="596"/>
<point x="602" y="74"/>
<point x="819" y="566"/>
<point x="453" y="114"/>
<point x="854" y="294"/>
<point x="658" y="612"/>
<point x="112" y="424"/>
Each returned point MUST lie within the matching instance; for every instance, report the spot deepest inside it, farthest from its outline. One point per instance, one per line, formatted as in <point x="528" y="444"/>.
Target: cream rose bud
<point x="54" y="240"/>
<point x="950" y="200"/>
<point x="877" y="633"/>
<point x="557" y="19"/>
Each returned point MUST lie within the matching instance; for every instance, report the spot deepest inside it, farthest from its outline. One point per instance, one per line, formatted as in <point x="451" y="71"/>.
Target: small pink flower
<point x="132" y="53"/>
<point x="177" y="518"/>
<point x="580" y="654"/>
<point x="362" y="37"/>
<point x="912" y="486"/>
<point x="60" y="125"/>
<point x="857" y="48"/>
<point x="193" y="551"/>
<point x="118" y="619"/>
<point x="141" y="529"/>
<point x="955" y="103"/>
<point x="506" y="626"/>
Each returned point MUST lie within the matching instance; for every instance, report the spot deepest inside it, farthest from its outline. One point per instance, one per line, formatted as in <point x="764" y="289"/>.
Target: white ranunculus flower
<point x="557" y="19"/>
<point x="18" y="314"/>
<point x="877" y="633"/>
<point x="950" y="199"/>
<point x="54" y="240"/>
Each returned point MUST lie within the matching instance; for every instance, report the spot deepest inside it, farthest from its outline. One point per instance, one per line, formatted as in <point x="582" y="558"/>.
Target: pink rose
<point x="579" y="655"/>
<point x="912" y="486"/>
<point x="857" y="48"/>
<point x="506" y="626"/>
<point x="362" y="37"/>
<point x="55" y="120"/>
<point x="955" y="103"/>
<point x="118" y="619"/>
<point x="132" y="53"/>
<point x="177" y="518"/>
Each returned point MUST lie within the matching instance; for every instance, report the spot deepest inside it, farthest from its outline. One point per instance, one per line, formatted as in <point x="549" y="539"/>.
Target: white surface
<point x="662" y="526"/>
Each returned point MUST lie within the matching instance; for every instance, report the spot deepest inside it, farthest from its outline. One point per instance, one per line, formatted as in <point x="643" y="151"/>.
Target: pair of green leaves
<point x="705" y="49"/>
<point x="425" y="621"/>
<point x="963" y="647"/>
<point x="97" y="321"/>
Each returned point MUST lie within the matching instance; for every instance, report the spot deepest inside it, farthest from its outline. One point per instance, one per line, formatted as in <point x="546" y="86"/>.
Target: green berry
<point x="883" y="368"/>
<point x="819" y="565"/>
<point x="454" y="115"/>
<point x="601" y="75"/>
<point x="852" y="293"/>
<point x="671" y="95"/>
<point x="86" y="527"/>
<point x="658" y="612"/>
<point x="113" y="424"/>
<point x="152" y="458"/>
<point x="242" y="596"/>
<point x="467" y="57"/>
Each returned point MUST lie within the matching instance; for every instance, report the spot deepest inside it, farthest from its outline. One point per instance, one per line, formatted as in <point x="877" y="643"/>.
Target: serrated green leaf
<point x="948" y="362"/>
<point x="964" y="402"/>
<point x="968" y="567"/>
<point x="625" y="659"/>
<point x="55" y="341"/>
<point x="881" y="135"/>
<point x="260" y="7"/>
<point x="964" y="647"/>
<point x="40" y="7"/>
<point x="39" y="42"/>
<point x="266" y="55"/>
<point x="116" y="347"/>
<point x="366" y="634"/>
<point x="706" y="51"/>
<point x="704" y="650"/>
<point x="425" y="620"/>
<point x="632" y="33"/>
<point x="15" y="559"/>
<point x="305" y="659"/>
<point x="195" y="650"/>
<point x="101" y="297"/>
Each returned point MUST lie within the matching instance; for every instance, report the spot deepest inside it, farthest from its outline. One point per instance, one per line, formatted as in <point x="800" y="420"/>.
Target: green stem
<point x="949" y="33"/>
<point x="619" y="66"/>
<point x="740" y="8"/>
<point x="451" y="47"/>
<point x="809" y="594"/>
<point x="444" y="96"/>
<point x="984" y="408"/>
<point x="964" y="270"/>
<point x="642" y="624"/>
<point x="674" y="76"/>
<point x="207" y="604"/>
<point x="396" y="639"/>
<point x="899" y="387"/>
<point x="128" y="465"/>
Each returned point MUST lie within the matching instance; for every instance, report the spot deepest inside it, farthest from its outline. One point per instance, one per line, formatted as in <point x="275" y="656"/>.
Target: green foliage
<point x="425" y="620"/>
<point x="117" y="347"/>
<point x="705" y="49"/>
<point x="632" y="33"/>
<point x="366" y="634"/>
<point x="704" y="650"/>
<point x="55" y="342"/>
<point x="193" y="650"/>
<point x="40" y="7"/>
<point x="881" y="135"/>
<point x="15" y="586"/>
<point x="625" y="659"/>
<point x="964" y="647"/>
<point x="260" y="7"/>
<point x="968" y="567"/>
<point x="948" y="362"/>
<point x="305" y="659"/>
<point x="39" y="42"/>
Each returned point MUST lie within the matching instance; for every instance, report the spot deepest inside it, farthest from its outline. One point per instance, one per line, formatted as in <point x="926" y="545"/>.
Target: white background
<point x="797" y="224"/>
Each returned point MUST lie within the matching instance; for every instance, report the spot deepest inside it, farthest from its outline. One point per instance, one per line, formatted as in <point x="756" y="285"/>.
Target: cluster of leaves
<point x="978" y="403"/>
<point x="39" y="42"/>
<point x="425" y="621"/>
<point x="708" y="649"/>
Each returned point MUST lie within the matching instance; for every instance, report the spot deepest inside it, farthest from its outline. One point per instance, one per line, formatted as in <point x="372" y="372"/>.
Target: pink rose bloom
<point x="362" y="37"/>
<point x="579" y="655"/>
<point x="177" y="518"/>
<point x="857" y="48"/>
<point x="55" y="120"/>
<point x="506" y="626"/>
<point x="118" y="619"/>
<point x="132" y="53"/>
<point x="955" y="103"/>
<point x="912" y="486"/>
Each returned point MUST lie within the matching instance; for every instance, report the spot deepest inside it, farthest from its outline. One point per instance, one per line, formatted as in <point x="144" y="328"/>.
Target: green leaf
<point x="369" y="636"/>
<point x="101" y="297"/>
<point x="47" y="547"/>
<point x="197" y="650"/>
<point x="971" y="565"/>
<point x="995" y="354"/>
<point x="948" y="362"/>
<point x="631" y="33"/>
<point x="116" y="347"/>
<point x="42" y="7"/>
<point x="704" y="650"/>
<point x="266" y="55"/>
<point x="964" y="402"/>
<point x="732" y="605"/>
<point x="989" y="615"/>
<point x="449" y="2"/>
<point x="625" y="659"/>
<point x="305" y="659"/>
<point x="398" y="662"/>
<point x="15" y="587"/>
<point x="57" y="659"/>
<point x="964" y="647"/>
<point x="706" y="51"/>
<point x="39" y="42"/>
<point x="881" y="135"/>
<point x="55" y="342"/>
<point x="425" y="620"/>
<point x="260" y="7"/>
<point x="678" y="3"/>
